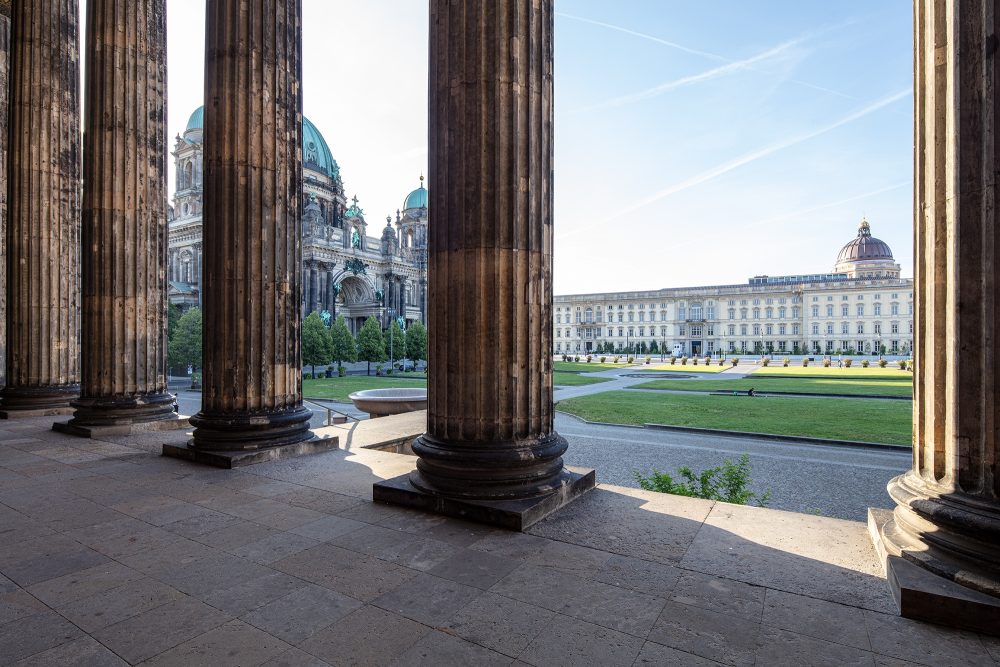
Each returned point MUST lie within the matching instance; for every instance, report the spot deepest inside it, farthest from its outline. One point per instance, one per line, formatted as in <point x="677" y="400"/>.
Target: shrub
<point x="673" y="360"/>
<point x="648" y="359"/>
<point x="882" y="363"/>
<point x="378" y="369"/>
<point x="684" y="361"/>
<point x="631" y="360"/>
<point x="727" y="483"/>
<point x="847" y="363"/>
<point x="694" y="361"/>
<point x="565" y="357"/>
<point x="341" y="371"/>
<point x="577" y="358"/>
<point x="864" y="363"/>
<point x="721" y="361"/>
<point x="785" y="362"/>
<point x="589" y="357"/>
<point x="602" y="359"/>
<point x="826" y="363"/>
<point x="617" y="357"/>
<point x="805" y="362"/>
<point x="708" y="360"/>
<point x="765" y="361"/>
<point x="735" y="360"/>
<point x="902" y="364"/>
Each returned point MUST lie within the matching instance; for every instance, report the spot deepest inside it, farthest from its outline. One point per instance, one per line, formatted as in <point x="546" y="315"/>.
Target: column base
<point x="174" y="423"/>
<point x="517" y="514"/>
<point x="251" y="431"/>
<point x="924" y="596"/>
<point x="37" y="401"/>
<point x="238" y="458"/>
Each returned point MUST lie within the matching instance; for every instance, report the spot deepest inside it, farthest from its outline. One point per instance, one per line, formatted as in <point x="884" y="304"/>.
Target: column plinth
<point x="252" y="272"/>
<point x="942" y="541"/>
<point x="43" y="210"/>
<point x="490" y="452"/>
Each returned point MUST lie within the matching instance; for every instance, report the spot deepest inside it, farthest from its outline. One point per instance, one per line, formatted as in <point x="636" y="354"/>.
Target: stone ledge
<point x="174" y="424"/>
<point x="510" y="514"/>
<point x="924" y="596"/>
<point x="240" y="458"/>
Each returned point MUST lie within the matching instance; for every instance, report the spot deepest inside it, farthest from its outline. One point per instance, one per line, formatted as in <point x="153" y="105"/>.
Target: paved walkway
<point x="114" y="555"/>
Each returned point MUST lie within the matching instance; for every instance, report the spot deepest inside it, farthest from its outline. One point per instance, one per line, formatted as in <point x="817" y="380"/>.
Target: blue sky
<point x="696" y="143"/>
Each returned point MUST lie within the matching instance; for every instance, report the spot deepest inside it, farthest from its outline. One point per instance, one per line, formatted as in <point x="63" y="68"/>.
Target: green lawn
<point x="568" y="379"/>
<point x="837" y="418"/>
<point x="584" y="367"/>
<point x="802" y="385"/>
<point x="338" y="389"/>
<point x="816" y="369"/>
<point x="689" y="368"/>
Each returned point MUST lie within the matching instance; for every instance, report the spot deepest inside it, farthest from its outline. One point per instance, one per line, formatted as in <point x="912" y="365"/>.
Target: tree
<point x="416" y="342"/>
<point x="653" y="348"/>
<point x="317" y="348"/>
<point x="185" y="345"/>
<point x="173" y="317"/>
<point x="343" y="347"/>
<point x="370" y="344"/>
<point x="395" y="341"/>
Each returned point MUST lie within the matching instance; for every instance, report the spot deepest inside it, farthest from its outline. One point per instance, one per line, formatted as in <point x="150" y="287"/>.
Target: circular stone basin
<point x="382" y="402"/>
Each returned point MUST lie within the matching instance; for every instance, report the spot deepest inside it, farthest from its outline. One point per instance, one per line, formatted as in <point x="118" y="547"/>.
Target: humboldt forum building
<point x="862" y="307"/>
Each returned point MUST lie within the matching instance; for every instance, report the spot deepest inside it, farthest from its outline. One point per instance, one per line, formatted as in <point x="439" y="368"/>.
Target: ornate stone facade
<point x="345" y="271"/>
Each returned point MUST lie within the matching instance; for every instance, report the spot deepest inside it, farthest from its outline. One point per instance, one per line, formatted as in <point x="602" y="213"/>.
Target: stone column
<point x="252" y="395"/>
<point x="43" y="235"/>
<point x="313" y="289"/>
<point x="124" y="234"/>
<point x="4" y="105"/>
<point x="490" y="452"/>
<point x="947" y="516"/>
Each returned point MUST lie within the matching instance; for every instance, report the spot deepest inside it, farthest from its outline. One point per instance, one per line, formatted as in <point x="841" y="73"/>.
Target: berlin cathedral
<point x="346" y="271"/>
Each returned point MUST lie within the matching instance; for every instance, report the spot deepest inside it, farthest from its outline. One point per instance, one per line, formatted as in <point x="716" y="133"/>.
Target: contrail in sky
<point x="686" y="49"/>
<point x="753" y="156"/>
<point x="820" y="207"/>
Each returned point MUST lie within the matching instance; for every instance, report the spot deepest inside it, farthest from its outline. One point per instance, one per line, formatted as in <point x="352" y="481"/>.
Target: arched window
<point x="188" y="174"/>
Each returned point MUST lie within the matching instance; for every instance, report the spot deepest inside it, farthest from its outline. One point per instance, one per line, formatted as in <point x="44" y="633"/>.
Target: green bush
<point x="721" y="361"/>
<point x="708" y="361"/>
<point x="727" y="483"/>
<point x="673" y="360"/>
<point x="694" y="361"/>
<point x="785" y="363"/>
<point x="684" y="361"/>
<point x="602" y="359"/>
<point x="735" y="360"/>
<point x="577" y="358"/>
<point x="826" y="363"/>
<point x="864" y="363"/>
<point x="341" y="371"/>
<point x="589" y="357"/>
<point x="847" y="363"/>
<point x="902" y="364"/>
<point x="765" y="361"/>
<point x="648" y="359"/>
<point x="631" y="360"/>
<point x="882" y="363"/>
<point x="805" y="361"/>
<point x="617" y="357"/>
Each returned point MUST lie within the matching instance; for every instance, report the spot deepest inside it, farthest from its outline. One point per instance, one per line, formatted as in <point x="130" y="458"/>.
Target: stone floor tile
<point x="396" y="547"/>
<point x="570" y="558"/>
<point x="639" y="575"/>
<point x="721" y="637"/>
<point x="226" y="501"/>
<point x="242" y="595"/>
<point x="270" y="488"/>
<point x="82" y="652"/>
<point x="151" y="505"/>
<point x="368" y="636"/>
<point x="236" y="535"/>
<point x="167" y="554"/>
<point x="610" y="606"/>
<point x="887" y="661"/>
<point x="816" y="618"/>
<point x="437" y="648"/>
<point x="629" y="522"/>
<point x="505" y="625"/>
<point x="370" y="512"/>
<point x="362" y="577"/>
<point x="924" y="643"/>
<point x="718" y="594"/>
<point x="571" y="642"/>
<point x="428" y="599"/>
<point x="17" y="604"/>
<point x="122" y="537"/>
<point x="53" y="564"/>
<point x="206" y="521"/>
<point x="327" y="528"/>
<point x="62" y="591"/>
<point x="7" y="586"/>
<point x="157" y="630"/>
<point x="992" y="645"/>
<point x="443" y="529"/>
<point x="664" y="656"/>
<point x="111" y="606"/>
<point x="216" y="571"/>
<point x="518" y="546"/>
<point x="295" y="657"/>
<point x="319" y="500"/>
<point x="274" y="547"/>
<point x="474" y="568"/>
<point x="274" y="514"/>
<point x="234" y="644"/>
<point x="783" y="647"/>
<point x="300" y="614"/>
<point x="27" y="636"/>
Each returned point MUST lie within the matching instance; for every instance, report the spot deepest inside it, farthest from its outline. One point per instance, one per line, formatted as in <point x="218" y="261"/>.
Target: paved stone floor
<point x="113" y="555"/>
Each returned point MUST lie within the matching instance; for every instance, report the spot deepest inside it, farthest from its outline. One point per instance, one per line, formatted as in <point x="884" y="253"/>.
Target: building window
<point x="861" y="310"/>
<point x="732" y="313"/>
<point x="795" y="329"/>
<point x="795" y="312"/>
<point x="781" y="312"/>
<point x="829" y="310"/>
<point x="558" y="319"/>
<point x="815" y="328"/>
<point x="743" y="313"/>
<point x="844" y="311"/>
<point x="769" y="313"/>
<point x="756" y="313"/>
<point x="894" y="308"/>
<point x="829" y="328"/>
<point x="743" y="330"/>
<point x="732" y="329"/>
<point x="877" y="309"/>
<point x="894" y="328"/>
<point x="861" y="327"/>
<point x="815" y="311"/>
<point x="769" y="329"/>
<point x="844" y="329"/>
<point x="696" y="311"/>
<point x="781" y="329"/>
<point x="696" y="331"/>
<point x="756" y="330"/>
<point x="710" y="313"/>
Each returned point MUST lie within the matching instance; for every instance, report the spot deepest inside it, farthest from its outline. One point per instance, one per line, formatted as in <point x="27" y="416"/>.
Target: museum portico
<point x="86" y="303"/>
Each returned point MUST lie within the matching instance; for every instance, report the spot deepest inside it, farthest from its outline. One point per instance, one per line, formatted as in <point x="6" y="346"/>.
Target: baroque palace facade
<point x="345" y="270"/>
<point x="861" y="307"/>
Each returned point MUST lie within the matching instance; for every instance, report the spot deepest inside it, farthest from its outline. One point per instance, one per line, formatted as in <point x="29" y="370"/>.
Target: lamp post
<point x="878" y="341"/>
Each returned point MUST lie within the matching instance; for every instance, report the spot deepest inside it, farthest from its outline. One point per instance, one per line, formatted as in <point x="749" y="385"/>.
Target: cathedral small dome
<point x="864" y="247"/>
<point x="417" y="198"/>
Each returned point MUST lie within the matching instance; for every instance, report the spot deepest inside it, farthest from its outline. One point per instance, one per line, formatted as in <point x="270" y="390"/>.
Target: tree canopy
<point x="344" y="347"/>
<point x="317" y="345"/>
<point x="370" y="344"/>
<point x="395" y="341"/>
<point x="416" y="342"/>
<point x="184" y="348"/>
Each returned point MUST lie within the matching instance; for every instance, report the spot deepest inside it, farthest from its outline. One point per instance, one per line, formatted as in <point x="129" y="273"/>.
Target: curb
<point x="750" y="434"/>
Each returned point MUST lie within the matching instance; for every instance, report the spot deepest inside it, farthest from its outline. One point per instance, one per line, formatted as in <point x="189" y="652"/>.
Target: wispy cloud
<point x="819" y="207"/>
<point x="746" y="159"/>
<point x="708" y="75"/>
<point x="697" y="52"/>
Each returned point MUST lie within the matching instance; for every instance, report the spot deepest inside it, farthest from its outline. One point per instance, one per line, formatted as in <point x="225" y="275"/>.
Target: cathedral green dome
<point x="417" y="198"/>
<point x="316" y="153"/>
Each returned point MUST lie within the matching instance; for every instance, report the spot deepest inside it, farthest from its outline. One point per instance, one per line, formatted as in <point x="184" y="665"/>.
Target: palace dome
<point x="864" y="247"/>
<point x="316" y="154"/>
<point x="417" y="198"/>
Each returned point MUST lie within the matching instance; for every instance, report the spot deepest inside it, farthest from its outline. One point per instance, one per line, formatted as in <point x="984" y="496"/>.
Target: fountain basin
<point x="383" y="402"/>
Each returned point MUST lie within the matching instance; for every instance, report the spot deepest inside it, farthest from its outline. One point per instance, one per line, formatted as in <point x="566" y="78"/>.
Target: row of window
<point x="781" y="346"/>
<point x="730" y="330"/>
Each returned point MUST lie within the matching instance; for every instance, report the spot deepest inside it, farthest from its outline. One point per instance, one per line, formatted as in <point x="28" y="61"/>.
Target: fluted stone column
<point x="4" y="106"/>
<point x="124" y="248"/>
<point x="947" y="515"/>
<point x="252" y="395"/>
<point x="43" y="235"/>
<point x="490" y="452"/>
